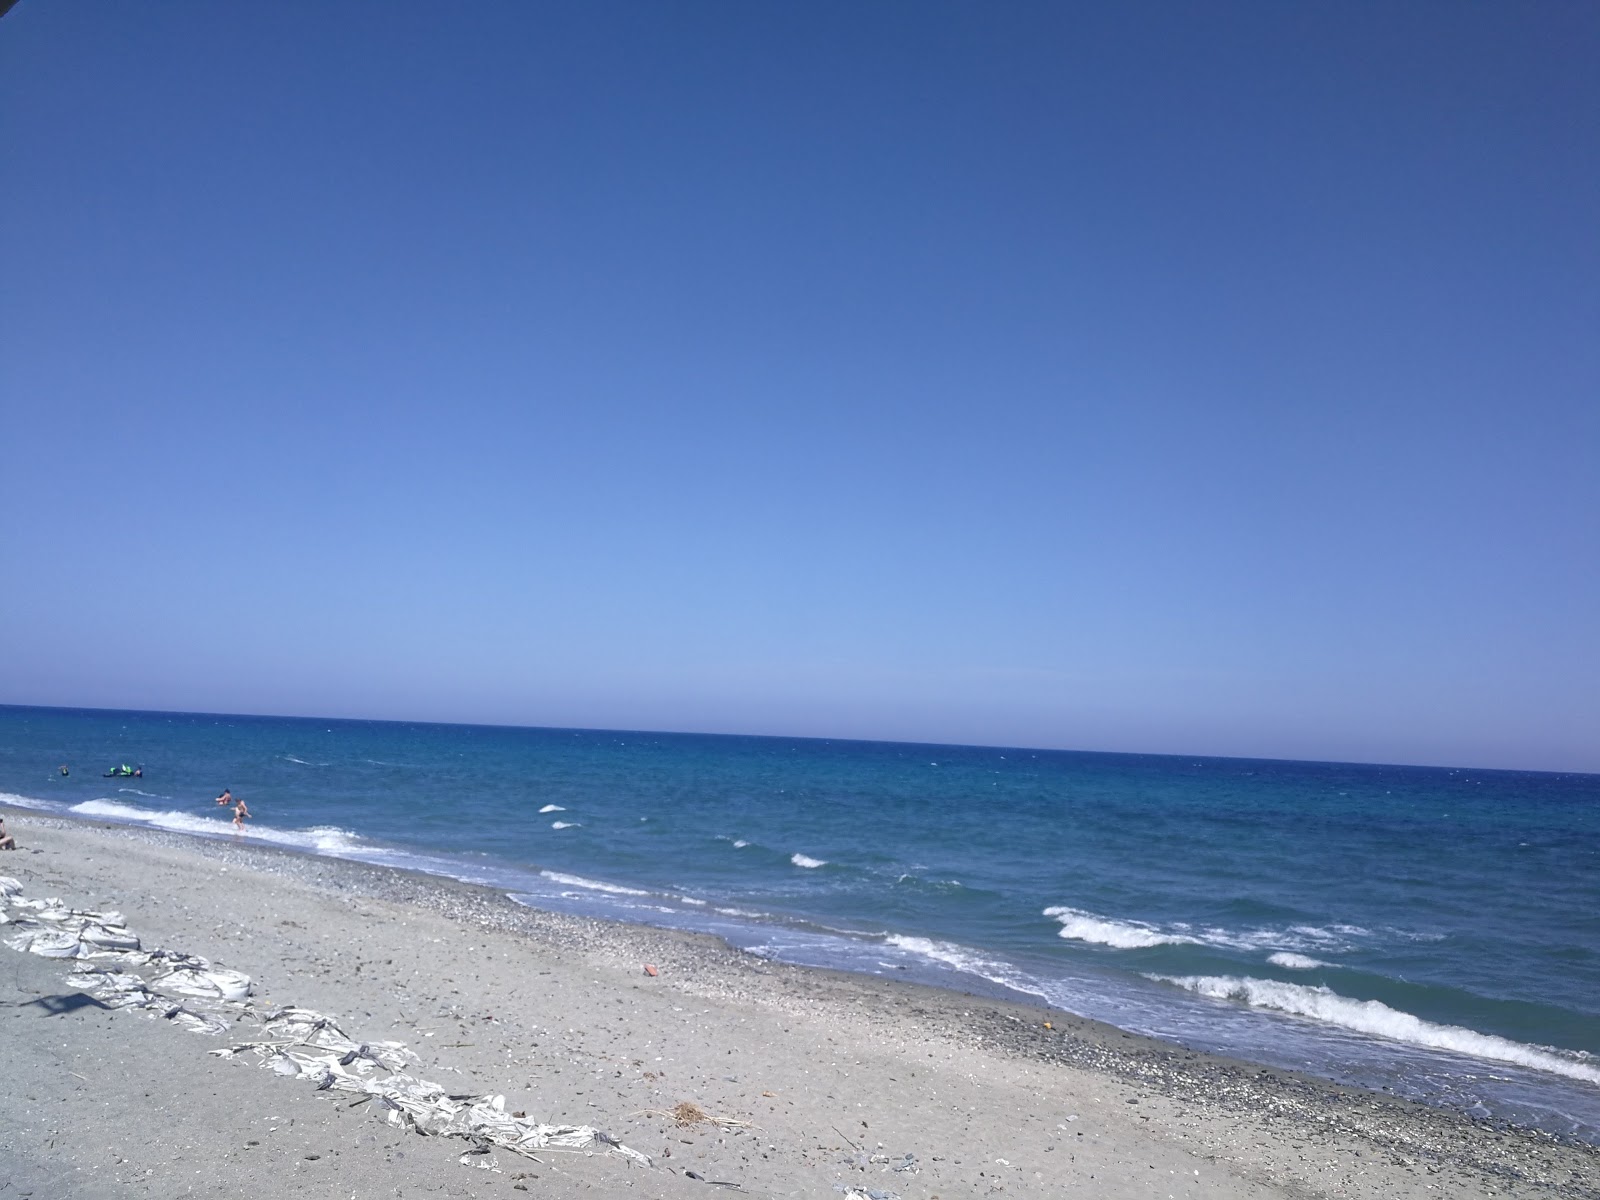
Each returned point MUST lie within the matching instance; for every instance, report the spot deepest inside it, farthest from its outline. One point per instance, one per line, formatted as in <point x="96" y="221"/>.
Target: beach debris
<point x="406" y="1102"/>
<point x="480" y="1156"/>
<point x="51" y="930"/>
<point x="190" y="992"/>
<point x="211" y="983"/>
<point x="650" y="970"/>
<point x="687" y="1113"/>
<point x="727" y="1183"/>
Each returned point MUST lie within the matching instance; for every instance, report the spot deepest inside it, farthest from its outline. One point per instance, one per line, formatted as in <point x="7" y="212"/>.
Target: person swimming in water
<point x="226" y="797"/>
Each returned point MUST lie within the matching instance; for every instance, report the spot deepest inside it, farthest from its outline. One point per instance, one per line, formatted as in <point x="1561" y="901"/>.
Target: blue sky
<point x="1198" y="379"/>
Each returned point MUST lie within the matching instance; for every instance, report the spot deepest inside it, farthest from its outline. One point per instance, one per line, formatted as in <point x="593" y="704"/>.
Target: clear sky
<point x="1193" y="378"/>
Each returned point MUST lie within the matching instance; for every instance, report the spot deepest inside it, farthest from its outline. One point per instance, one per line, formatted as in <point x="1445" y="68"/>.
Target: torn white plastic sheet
<point x="297" y="1042"/>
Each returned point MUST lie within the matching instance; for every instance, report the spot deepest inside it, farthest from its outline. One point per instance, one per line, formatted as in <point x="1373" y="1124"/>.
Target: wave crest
<point x="1379" y="1020"/>
<point x="1081" y="926"/>
<point x="1296" y="962"/>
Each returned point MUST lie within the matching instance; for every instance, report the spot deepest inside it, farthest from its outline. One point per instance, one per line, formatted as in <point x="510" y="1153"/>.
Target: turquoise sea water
<point x="1429" y="931"/>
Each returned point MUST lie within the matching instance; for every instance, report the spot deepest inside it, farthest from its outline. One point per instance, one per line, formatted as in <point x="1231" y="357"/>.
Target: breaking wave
<point x="323" y="839"/>
<point x="804" y="860"/>
<point x="1080" y="925"/>
<point x="1379" y="1020"/>
<point x="12" y="800"/>
<point x="1124" y="935"/>
<point x="1296" y="962"/>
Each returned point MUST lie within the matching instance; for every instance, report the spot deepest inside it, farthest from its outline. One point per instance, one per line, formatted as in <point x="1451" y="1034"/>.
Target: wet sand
<point x="828" y="1083"/>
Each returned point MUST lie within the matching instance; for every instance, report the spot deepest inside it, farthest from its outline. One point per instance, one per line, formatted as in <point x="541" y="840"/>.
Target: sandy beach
<point x="794" y="1082"/>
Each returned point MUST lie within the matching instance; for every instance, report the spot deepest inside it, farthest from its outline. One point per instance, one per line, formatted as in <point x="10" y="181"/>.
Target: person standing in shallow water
<point x="240" y="812"/>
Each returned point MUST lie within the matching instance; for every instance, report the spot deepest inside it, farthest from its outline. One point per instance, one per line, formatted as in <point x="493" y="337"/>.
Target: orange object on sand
<point x="649" y="970"/>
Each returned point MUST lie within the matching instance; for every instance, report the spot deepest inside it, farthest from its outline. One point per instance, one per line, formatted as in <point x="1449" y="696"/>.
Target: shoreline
<point x="1237" y="1128"/>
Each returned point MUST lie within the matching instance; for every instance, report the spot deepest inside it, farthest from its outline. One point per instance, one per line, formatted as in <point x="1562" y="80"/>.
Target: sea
<point x="1424" y="931"/>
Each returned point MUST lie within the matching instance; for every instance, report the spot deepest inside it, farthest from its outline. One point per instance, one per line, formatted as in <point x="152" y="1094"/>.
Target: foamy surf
<point x="968" y="961"/>
<point x="594" y="885"/>
<point x="322" y="839"/>
<point x="550" y="808"/>
<point x="566" y="824"/>
<point x="806" y="861"/>
<point x="12" y="800"/>
<point x="1377" y="1019"/>
<point x="1296" y="962"/>
<point x="1081" y="926"/>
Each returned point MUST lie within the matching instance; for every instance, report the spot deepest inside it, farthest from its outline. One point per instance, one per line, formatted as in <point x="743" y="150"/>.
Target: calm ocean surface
<point x="1432" y="932"/>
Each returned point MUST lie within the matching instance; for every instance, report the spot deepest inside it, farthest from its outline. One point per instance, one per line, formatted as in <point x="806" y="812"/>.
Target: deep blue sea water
<point x="1428" y="931"/>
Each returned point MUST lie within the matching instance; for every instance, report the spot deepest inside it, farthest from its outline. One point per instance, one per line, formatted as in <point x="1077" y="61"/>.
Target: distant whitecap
<point x="549" y="808"/>
<point x="804" y="860"/>
<point x="1296" y="962"/>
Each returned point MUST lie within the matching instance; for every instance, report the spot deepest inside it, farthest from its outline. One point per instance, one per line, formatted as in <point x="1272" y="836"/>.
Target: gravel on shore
<point x="1040" y="1098"/>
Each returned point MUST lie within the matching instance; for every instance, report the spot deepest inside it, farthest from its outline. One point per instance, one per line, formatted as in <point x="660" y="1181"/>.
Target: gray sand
<point x="833" y="1080"/>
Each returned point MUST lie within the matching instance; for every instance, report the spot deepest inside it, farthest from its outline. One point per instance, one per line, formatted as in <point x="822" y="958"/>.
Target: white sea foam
<point x="594" y="885"/>
<point x="739" y="843"/>
<point x="137" y="792"/>
<point x="12" y="800"/>
<point x="1124" y="935"/>
<point x="966" y="960"/>
<point x="325" y="839"/>
<point x="566" y="824"/>
<point x="946" y="952"/>
<point x="549" y="808"/>
<point x="1081" y="925"/>
<point x="1379" y="1020"/>
<point x="1296" y="962"/>
<point x="803" y="860"/>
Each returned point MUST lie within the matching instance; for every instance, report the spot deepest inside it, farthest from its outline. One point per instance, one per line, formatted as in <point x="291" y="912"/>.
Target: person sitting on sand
<point x="240" y="812"/>
<point x="7" y="842"/>
<point x="226" y="797"/>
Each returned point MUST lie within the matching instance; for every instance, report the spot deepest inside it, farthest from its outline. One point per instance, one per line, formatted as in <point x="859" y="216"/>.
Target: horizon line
<point x="162" y="712"/>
